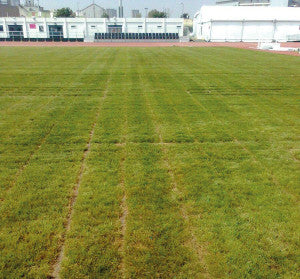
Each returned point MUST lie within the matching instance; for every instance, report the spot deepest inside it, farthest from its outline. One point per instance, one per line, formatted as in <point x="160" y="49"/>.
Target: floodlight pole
<point x="182" y="6"/>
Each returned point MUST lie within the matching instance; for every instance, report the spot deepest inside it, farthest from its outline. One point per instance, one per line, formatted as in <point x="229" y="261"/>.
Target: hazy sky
<point x="190" y="6"/>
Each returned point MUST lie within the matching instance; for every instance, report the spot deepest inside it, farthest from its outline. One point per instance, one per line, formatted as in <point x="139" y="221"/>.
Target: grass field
<point x="149" y="163"/>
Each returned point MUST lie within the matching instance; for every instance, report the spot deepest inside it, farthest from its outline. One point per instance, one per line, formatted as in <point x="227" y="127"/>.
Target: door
<point x="56" y="32"/>
<point x="16" y="32"/>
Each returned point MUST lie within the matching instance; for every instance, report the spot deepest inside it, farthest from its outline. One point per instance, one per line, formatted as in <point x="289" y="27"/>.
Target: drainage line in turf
<point x="56" y="267"/>
<point x="67" y="225"/>
<point x="123" y="218"/>
<point x="193" y="244"/>
<point x="293" y="156"/>
<point x="124" y="207"/>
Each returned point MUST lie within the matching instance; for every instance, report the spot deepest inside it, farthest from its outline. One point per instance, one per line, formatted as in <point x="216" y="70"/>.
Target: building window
<point x="73" y="26"/>
<point x="178" y="26"/>
<point x="159" y="26"/>
<point x="1" y="28"/>
<point x="41" y="28"/>
<point x="140" y="26"/>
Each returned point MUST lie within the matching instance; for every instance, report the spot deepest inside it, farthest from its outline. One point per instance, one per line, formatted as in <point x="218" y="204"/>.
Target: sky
<point x="175" y="6"/>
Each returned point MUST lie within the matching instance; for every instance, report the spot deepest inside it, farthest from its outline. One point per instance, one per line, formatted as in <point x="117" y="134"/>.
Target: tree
<point x="64" y="12"/>
<point x="185" y="16"/>
<point x="105" y="15"/>
<point x="157" y="14"/>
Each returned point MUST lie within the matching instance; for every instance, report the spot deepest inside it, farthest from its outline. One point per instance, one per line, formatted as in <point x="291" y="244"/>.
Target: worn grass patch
<point x="185" y="163"/>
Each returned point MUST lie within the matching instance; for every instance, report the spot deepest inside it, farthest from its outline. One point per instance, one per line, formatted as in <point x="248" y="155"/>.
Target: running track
<point x="252" y="46"/>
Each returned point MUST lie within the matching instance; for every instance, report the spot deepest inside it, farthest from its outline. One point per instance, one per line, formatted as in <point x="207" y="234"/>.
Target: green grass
<point x="192" y="169"/>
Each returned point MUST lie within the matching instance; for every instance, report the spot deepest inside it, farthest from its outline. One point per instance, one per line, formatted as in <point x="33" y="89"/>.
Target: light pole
<point x="146" y="12"/>
<point x="182" y="8"/>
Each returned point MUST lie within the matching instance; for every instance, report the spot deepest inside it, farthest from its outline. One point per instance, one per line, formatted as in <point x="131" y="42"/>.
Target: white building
<point x="111" y="13"/>
<point x="247" y="24"/>
<point x="87" y="28"/>
<point x="92" y="11"/>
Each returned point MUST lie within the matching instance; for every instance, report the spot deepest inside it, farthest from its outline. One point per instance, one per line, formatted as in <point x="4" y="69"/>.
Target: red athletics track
<point x="252" y="46"/>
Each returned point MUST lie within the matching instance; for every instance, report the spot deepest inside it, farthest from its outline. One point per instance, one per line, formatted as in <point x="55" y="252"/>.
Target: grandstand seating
<point x="136" y="36"/>
<point x="100" y="37"/>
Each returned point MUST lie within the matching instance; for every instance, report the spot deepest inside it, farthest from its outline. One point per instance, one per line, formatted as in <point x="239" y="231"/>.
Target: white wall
<point x="80" y="27"/>
<point x="247" y="31"/>
<point x="226" y="31"/>
<point x="251" y="25"/>
<point x="258" y="31"/>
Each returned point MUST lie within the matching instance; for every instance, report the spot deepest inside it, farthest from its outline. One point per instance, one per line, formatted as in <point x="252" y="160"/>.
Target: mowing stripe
<point x="236" y="141"/>
<point x="37" y="112"/>
<point x="57" y="265"/>
<point x="193" y="244"/>
<point x="27" y="162"/>
<point x="38" y="147"/>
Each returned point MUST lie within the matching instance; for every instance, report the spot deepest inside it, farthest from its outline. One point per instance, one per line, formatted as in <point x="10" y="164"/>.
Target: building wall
<point x="111" y="13"/>
<point x="9" y="11"/>
<point x="248" y="31"/>
<point x="15" y="2"/>
<point x="92" y="11"/>
<point x="135" y="14"/>
<point x="33" y="11"/>
<point x="86" y="28"/>
<point x="273" y="25"/>
<point x="12" y="2"/>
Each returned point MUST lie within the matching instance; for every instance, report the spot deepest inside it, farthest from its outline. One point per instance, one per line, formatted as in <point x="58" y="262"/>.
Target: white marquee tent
<point x="248" y="24"/>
